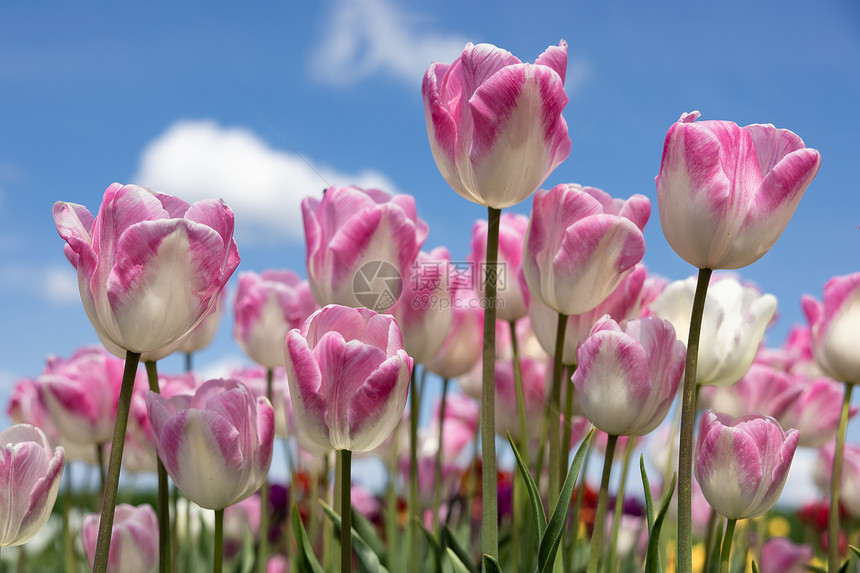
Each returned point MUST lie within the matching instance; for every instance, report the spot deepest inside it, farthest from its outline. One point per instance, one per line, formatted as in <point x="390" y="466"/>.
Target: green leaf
<point x="652" y="561"/>
<point x="551" y="537"/>
<point x="307" y="560"/>
<point x="367" y="560"/>
<point x="435" y="546"/>
<point x="649" y="500"/>
<point x="754" y="567"/>
<point x="457" y="565"/>
<point x="453" y="543"/>
<point x="248" y="553"/>
<point x="365" y="529"/>
<point x="534" y="494"/>
<point x="855" y="550"/>
<point x="491" y="565"/>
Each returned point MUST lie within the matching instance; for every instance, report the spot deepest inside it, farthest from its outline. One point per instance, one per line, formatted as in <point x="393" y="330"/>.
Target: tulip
<point x="240" y="518"/>
<point x="216" y="444"/>
<point x="725" y="193"/>
<point x="763" y="390"/>
<point x="735" y="318"/>
<point x="150" y="266"/>
<point x="267" y="306"/>
<point x="462" y="347"/>
<point x="201" y="336"/>
<point x="134" y="543"/>
<point x="424" y="311"/>
<point x="742" y="463"/>
<point x="579" y="245"/>
<point x="82" y="393"/>
<point x="29" y="480"/>
<point x="816" y="411"/>
<point x="495" y="123"/>
<point x="256" y="379"/>
<point x="623" y="303"/>
<point x="348" y="377"/>
<point x="512" y="233"/>
<point x="781" y="555"/>
<point x="359" y="245"/>
<point x="849" y="482"/>
<point x="627" y="376"/>
<point x="834" y="327"/>
<point x="536" y="386"/>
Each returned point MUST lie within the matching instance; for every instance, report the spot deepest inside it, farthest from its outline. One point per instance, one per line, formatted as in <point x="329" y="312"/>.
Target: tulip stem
<point x="521" y="400"/>
<point x="489" y="488"/>
<point x="555" y="467"/>
<point x="100" y="460"/>
<point x="346" y="511"/>
<point x="218" y="560"/>
<point x="566" y="421"/>
<point x="619" y="505"/>
<point x="68" y="542"/>
<point x="163" y="494"/>
<point x="688" y="421"/>
<point x="132" y="359"/>
<point x="600" y="514"/>
<point x="414" y="520"/>
<point x="725" y="556"/>
<point x="835" y="476"/>
<point x="263" y="549"/>
<point x="437" y="484"/>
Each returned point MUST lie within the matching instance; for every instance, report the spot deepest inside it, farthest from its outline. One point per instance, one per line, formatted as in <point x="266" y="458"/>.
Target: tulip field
<point x="409" y="409"/>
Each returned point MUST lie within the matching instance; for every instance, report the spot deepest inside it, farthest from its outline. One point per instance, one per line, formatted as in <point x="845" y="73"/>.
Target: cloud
<point x="367" y="37"/>
<point x="199" y="159"/>
<point x="57" y="285"/>
<point x="60" y="285"/>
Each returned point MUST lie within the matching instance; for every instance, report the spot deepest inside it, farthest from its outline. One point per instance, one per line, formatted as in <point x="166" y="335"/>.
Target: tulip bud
<point x="134" y="541"/>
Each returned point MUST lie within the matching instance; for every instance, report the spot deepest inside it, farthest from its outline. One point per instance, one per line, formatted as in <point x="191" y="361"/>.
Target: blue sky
<point x="264" y="106"/>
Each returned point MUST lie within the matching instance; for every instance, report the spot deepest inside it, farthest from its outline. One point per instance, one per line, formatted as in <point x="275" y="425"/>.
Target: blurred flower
<point x="725" y="193"/>
<point x="267" y="306"/>
<point x="579" y="245"/>
<point x="134" y="541"/>
<point x="849" y="484"/>
<point x="255" y="378"/>
<point x="512" y="234"/>
<point x="240" y="518"/>
<point x="733" y="325"/>
<point x="495" y="123"/>
<point x="742" y="463"/>
<point x="349" y="377"/>
<point x="29" y="479"/>
<point x="462" y="347"/>
<point x="835" y="326"/>
<point x="150" y="267"/>
<point x="359" y="244"/>
<point x="782" y="555"/>
<point x="816" y="410"/>
<point x="627" y="376"/>
<point x="216" y="444"/>
<point x="762" y="390"/>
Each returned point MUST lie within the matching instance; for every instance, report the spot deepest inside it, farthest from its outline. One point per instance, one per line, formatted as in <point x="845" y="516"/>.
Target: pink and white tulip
<point x="267" y="306"/>
<point x="462" y="347"/>
<point x="512" y="234"/>
<point x="816" y="410"/>
<point x="835" y="327"/>
<point x="735" y="319"/>
<point x="742" y="463"/>
<point x="782" y="555"/>
<point x="725" y="193"/>
<point x="217" y="443"/>
<point x="495" y="123"/>
<point x="149" y="265"/>
<point x="762" y="390"/>
<point x="627" y="375"/>
<point x="30" y="474"/>
<point x="849" y="483"/>
<point x="424" y="311"/>
<point x="349" y="378"/>
<point x="350" y="228"/>
<point x="134" y="541"/>
<point x="579" y="245"/>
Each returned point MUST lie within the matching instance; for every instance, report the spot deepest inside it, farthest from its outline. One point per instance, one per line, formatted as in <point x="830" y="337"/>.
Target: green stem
<point x="174" y="529"/>
<point x="489" y="487"/>
<point x="437" y="493"/>
<point x="391" y="504"/>
<point x="835" y="476"/>
<point x="726" y="554"/>
<point x="218" y="560"/>
<point x="414" y="512"/>
<point x="100" y="460"/>
<point x="619" y="505"/>
<point x="68" y="542"/>
<point x="263" y="549"/>
<point x="163" y="493"/>
<point x="566" y="422"/>
<point x="688" y="421"/>
<point x="132" y="359"/>
<point x="188" y="362"/>
<point x="711" y="543"/>
<point x="554" y="412"/>
<point x="327" y="531"/>
<point x="337" y="499"/>
<point x="600" y="515"/>
<point x="345" y="511"/>
<point x="521" y="400"/>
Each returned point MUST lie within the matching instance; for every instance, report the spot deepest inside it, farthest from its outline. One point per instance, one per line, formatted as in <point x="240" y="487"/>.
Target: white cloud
<point x="198" y="159"/>
<point x="60" y="285"/>
<point x="57" y="285"/>
<point x="366" y="37"/>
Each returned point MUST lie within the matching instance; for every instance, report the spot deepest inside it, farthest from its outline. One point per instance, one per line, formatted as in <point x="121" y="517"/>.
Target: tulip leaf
<point x="855" y="550"/>
<point x="534" y="494"/>
<point x="555" y="528"/>
<point x="649" y="500"/>
<point x="652" y="561"/>
<point x="248" y="553"/>
<point x="456" y="564"/>
<point x="491" y="565"/>
<point x="307" y="562"/>
<point x="754" y="567"/>
<point x="362" y="526"/>
<point x="453" y="543"/>
<point x="435" y="547"/>
<point x="367" y="560"/>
